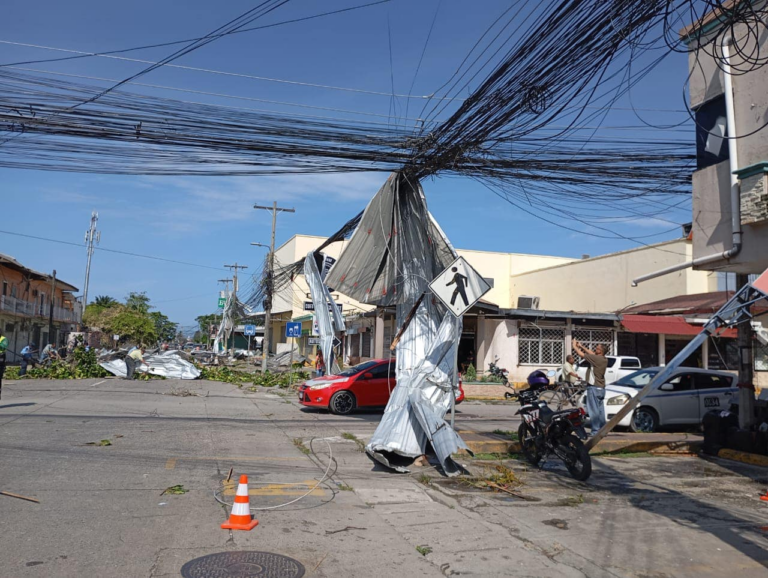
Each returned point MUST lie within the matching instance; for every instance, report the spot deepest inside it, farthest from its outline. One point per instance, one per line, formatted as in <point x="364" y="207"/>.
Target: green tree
<point x="104" y="301"/>
<point x="165" y="329"/>
<point x="205" y="322"/>
<point x="133" y="327"/>
<point x="138" y="302"/>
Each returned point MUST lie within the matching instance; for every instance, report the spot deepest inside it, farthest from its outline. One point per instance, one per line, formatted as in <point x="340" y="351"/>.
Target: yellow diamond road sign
<point x="459" y="287"/>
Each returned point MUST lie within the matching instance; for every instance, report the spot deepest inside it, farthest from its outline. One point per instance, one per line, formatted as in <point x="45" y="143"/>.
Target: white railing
<point x="18" y="306"/>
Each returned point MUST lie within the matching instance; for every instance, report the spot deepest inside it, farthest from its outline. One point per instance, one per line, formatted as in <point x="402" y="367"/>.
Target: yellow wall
<point x="604" y="284"/>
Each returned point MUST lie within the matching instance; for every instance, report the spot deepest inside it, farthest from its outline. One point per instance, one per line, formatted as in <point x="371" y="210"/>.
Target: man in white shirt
<point x="568" y="371"/>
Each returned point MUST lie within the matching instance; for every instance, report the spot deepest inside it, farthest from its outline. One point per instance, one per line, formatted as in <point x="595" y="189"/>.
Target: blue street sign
<point x="249" y="330"/>
<point x="293" y="329"/>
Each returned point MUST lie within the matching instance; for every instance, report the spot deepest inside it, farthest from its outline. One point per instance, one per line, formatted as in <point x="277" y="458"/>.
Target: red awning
<point x="667" y="325"/>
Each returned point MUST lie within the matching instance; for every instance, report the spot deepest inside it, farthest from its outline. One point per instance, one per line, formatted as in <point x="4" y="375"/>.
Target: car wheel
<point x="644" y="420"/>
<point x="342" y="403"/>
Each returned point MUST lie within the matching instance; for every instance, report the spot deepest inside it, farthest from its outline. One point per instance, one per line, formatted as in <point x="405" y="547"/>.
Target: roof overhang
<point x="665" y="325"/>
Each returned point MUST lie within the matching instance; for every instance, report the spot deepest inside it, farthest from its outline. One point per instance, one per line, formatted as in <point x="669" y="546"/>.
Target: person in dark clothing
<point x="461" y="282"/>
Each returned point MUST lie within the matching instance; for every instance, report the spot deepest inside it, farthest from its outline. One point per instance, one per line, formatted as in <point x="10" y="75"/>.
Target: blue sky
<point x="209" y="220"/>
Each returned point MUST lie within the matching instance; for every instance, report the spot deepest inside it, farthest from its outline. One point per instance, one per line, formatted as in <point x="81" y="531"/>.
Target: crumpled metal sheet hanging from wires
<point x="391" y="258"/>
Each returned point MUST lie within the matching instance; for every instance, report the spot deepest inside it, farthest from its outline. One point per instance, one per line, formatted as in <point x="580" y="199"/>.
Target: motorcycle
<point x="499" y="372"/>
<point x="544" y="432"/>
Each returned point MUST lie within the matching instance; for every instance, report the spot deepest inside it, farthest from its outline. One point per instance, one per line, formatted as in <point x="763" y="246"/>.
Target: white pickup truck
<point x="618" y="367"/>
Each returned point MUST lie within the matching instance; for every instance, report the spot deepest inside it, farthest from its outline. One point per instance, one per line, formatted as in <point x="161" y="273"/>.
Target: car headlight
<point x="618" y="400"/>
<point x="319" y="386"/>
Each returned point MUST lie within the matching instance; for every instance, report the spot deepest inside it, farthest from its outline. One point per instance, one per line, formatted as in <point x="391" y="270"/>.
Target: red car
<point x="365" y="385"/>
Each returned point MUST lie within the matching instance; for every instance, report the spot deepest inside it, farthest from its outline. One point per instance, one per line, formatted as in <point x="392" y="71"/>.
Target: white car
<point x="618" y="366"/>
<point x="684" y="399"/>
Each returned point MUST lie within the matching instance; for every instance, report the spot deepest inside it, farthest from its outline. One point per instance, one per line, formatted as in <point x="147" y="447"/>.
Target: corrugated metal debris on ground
<point x="171" y="364"/>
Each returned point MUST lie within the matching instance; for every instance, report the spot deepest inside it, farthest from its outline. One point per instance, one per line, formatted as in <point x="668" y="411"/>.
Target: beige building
<point x="730" y="185"/>
<point x="537" y="305"/>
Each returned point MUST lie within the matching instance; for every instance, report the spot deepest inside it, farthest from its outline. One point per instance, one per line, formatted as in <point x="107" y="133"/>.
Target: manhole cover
<point x="243" y="565"/>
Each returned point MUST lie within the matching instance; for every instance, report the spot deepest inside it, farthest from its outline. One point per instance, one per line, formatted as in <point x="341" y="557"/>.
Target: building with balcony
<point x="26" y="297"/>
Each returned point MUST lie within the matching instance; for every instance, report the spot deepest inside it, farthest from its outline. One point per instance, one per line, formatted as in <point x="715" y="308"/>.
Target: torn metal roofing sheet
<point x="391" y="258"/>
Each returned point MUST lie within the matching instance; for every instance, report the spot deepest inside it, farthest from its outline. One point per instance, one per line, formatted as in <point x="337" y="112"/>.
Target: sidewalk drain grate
<point x="243" y="565"/>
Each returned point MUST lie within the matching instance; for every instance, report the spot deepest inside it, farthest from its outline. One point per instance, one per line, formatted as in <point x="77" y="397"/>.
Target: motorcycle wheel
<point x="528" y="444"/>
<point x="581" y="466"/>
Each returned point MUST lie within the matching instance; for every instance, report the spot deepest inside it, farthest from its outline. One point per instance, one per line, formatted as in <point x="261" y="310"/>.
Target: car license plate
<point x="711" y="402"/>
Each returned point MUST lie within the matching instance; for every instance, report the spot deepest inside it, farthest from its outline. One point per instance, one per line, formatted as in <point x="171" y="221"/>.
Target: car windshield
<point x="637" y="379"/>
<point x="355" y="369"/>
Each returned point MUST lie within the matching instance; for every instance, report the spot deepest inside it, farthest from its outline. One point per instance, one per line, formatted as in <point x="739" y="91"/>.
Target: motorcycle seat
<point x="545" y="414"/>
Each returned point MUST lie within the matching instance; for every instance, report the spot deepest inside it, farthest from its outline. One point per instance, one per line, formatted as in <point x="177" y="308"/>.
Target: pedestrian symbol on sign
<point x="460" y="281"/>
<point x="459" y="287"/>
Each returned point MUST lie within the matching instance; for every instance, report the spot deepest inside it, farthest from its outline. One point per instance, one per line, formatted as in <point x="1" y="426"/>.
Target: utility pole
<point x="50" y="313"/>
<point x="268" y="305"/>
<point x="746" y="386"/>
<point x="226" y="290"/>
<point x="235" y="267"/>
<point x="91" y="236"/>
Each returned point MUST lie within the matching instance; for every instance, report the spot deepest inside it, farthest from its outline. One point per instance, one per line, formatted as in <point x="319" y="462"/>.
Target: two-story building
<point x="26" y="296"/>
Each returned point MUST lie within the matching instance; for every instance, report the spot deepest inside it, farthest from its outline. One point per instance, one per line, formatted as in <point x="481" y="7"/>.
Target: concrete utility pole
<point x="91" y="236"/>
<point x="744" y="342"/>
<point x="226" y="290"/>
<point x="268" y="305"/>
<point x="234" y="268"/>
<point x="50" y="314"/>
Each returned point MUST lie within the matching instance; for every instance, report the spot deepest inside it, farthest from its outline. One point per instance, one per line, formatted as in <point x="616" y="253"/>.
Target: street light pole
<point x="268" y="305"/>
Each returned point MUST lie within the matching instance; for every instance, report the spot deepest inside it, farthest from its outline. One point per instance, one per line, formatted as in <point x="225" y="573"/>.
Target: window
<point x="366" y="345"/>
<point x="711" y="130"/>
<point x="382" y="371"/>
<point x="682" y="382"/>
<point x="724" y="354"/>
<point x="541" y="345"/>
<point x="590" y="338"/>
<point x="705" y="381"/>
<point x="761" y="357"/>
<point x="630" y="364"/>
<point x="5" y="288"/>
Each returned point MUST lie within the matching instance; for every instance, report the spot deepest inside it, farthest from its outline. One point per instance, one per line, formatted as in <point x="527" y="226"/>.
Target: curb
<point x="743" y="457"/>
<point x="618" y="447"/>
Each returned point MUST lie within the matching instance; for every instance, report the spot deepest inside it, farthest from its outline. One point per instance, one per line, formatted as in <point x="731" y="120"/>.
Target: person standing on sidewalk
<point x="133" y="360"/>
<point x="595" y="392"/>
<point x="27" y="357"/>
<point x="3" y="349"/>
<point x="319" y="364"/>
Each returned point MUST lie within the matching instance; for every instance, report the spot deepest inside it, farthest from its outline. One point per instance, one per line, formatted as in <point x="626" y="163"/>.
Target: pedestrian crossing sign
<point x="459" y="287"/>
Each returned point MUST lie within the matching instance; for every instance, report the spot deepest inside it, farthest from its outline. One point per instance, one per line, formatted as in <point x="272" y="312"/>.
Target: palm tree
<point x="104" y="301"/>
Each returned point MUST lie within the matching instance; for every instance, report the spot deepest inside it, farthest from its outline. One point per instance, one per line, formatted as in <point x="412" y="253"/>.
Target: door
<point x="715" y="392"/>
<point x="612" y="371"/>
<point x="373" y="390"/>
<point x="679" y="400"/>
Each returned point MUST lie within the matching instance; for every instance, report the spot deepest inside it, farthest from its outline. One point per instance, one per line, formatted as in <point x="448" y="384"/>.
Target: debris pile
<point x="172" y="364"/>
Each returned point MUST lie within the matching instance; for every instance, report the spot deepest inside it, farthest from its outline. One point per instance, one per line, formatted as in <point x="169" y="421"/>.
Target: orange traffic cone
<point x="240" y="516"/>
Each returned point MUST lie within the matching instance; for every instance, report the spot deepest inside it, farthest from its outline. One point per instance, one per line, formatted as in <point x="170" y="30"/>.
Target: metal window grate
<point x="541" y="345"/>
<point x="590" y="338"/>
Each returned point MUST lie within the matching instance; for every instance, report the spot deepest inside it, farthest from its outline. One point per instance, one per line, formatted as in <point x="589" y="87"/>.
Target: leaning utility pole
<point x="50" y="313"/>
<point x="234" y="267"/>
<point x="268" y="302"/>
<point x="91" y="235"/>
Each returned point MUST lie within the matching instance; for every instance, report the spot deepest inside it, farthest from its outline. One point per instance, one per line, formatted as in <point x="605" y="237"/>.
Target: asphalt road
<point x="103" y="513"/>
